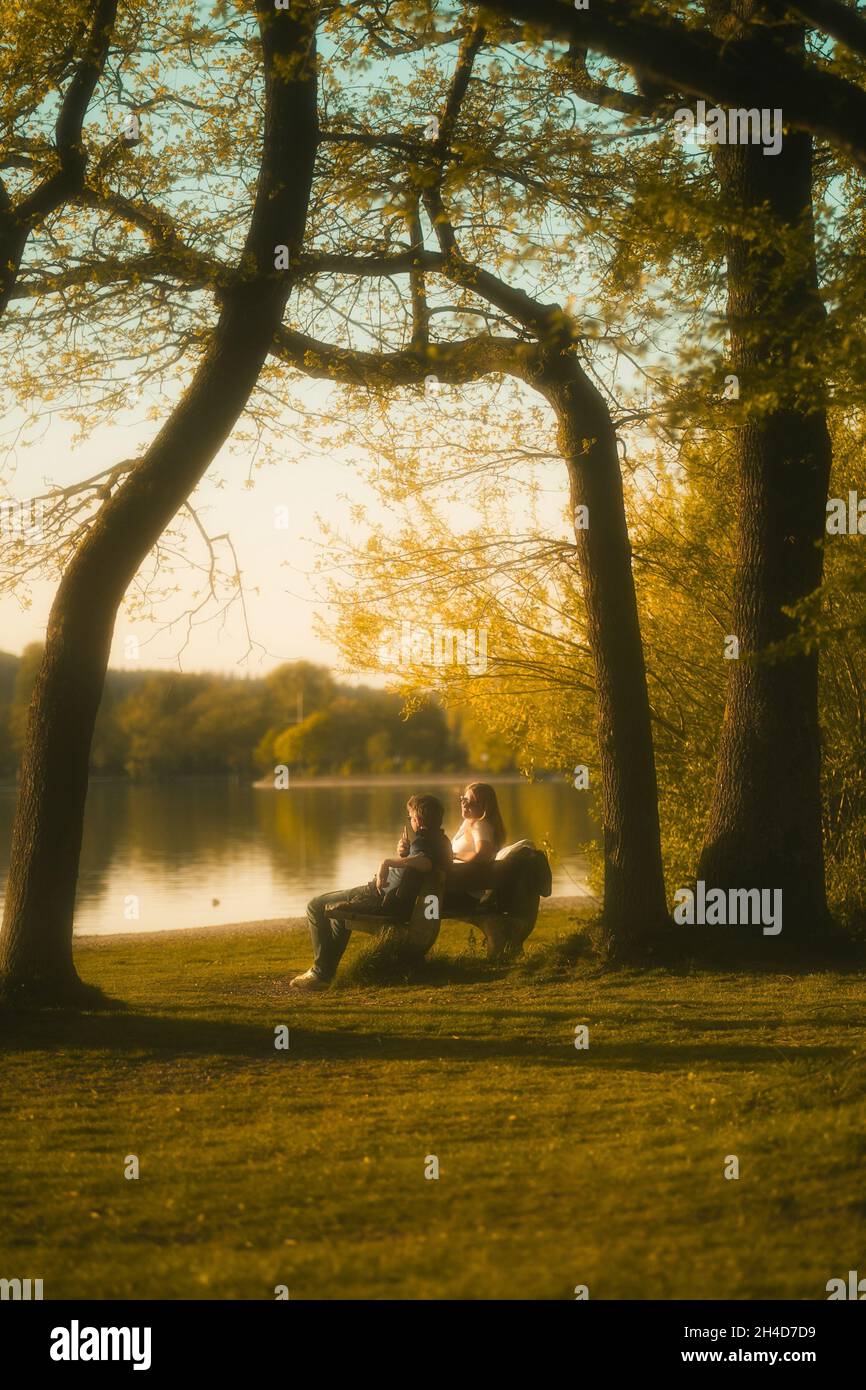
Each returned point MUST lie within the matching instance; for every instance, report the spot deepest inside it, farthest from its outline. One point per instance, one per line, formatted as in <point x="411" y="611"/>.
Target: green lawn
<point x="558" y="1167"/>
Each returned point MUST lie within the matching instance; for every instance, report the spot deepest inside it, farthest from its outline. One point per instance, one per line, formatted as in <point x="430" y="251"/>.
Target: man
<point x="390" y="893"/>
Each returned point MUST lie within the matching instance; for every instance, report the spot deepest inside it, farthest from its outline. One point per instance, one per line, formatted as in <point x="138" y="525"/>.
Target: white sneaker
<point x="310" y="981"/>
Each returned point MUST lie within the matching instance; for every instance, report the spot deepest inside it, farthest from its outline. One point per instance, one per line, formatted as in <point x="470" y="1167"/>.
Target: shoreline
<point x="275" y="925"/>
<point x="402" y="779"/>
<point x="327" y="779"/>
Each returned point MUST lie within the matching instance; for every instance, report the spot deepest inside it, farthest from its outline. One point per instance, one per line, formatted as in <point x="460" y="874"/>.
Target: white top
<point x="471" y="837"/>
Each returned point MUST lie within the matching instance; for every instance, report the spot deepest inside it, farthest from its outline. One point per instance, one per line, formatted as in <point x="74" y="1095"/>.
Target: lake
<point x="212" y="851"/>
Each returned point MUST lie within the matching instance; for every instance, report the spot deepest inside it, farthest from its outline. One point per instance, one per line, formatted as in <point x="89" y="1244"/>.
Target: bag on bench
<point x="521" y="874"/>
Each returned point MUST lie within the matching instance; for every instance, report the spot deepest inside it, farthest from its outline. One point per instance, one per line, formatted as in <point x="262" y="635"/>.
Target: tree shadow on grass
<point x="138" y="1038"/>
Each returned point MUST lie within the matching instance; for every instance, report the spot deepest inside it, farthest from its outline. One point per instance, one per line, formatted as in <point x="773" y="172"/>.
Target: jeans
<point x="329" y="935"/>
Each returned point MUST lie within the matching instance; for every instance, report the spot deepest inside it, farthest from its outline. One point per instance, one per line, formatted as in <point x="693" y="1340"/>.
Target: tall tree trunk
<point x="634" y="891"/>
<point x="36" y="942"/>
<point x="764" y="828"/>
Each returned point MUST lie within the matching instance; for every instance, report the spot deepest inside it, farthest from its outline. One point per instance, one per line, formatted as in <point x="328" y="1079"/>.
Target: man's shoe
<point x="310" y="980"/>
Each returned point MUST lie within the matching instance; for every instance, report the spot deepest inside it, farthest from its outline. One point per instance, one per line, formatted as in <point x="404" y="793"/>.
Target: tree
<point x="765" y="817"/>
<point x="36" y="942"/>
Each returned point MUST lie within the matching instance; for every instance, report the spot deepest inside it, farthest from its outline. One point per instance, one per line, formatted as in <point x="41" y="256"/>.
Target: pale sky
<point x="275" y="561"/>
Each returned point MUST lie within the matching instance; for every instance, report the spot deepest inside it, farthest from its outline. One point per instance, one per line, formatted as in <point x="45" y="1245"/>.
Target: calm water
<point x="212" y="852"/>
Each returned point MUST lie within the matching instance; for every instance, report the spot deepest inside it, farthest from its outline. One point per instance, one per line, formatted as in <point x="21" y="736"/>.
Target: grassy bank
<point x="558" y="1167"/>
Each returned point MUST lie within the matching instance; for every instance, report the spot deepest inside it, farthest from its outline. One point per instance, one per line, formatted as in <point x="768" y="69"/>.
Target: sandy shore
<point x="277" y="925"/>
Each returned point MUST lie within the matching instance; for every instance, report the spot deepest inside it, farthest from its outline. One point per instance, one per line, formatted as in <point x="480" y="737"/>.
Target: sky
<point x="275" y="562"/>
<point x="283" y="594"/>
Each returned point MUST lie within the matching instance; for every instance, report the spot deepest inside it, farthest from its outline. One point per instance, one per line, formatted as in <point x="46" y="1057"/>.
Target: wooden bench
<point x="504" y="932"/>
<point x="417" y="935"/>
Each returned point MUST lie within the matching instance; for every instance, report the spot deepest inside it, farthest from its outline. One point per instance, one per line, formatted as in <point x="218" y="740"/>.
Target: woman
<point x="475" y="846"/>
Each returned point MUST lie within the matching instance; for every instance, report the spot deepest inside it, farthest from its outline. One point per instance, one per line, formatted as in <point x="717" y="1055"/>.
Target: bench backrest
<point x="520" y="880"/>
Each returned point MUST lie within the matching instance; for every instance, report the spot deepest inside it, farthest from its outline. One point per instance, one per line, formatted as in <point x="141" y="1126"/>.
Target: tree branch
<point x="452" y="363"/>
<point x="68" y="131"/>
<point x="17" y="222"/>
<point x="697" y="62"/>
<point x="838" y="20"/>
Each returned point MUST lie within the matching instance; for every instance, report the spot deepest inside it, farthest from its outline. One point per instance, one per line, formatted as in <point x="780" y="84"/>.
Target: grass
<point x="558" y="1167"/>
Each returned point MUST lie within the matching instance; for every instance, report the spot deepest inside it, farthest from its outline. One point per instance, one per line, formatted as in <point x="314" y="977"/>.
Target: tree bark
<point x="36" y="941"/>
<point x="764" y="827"/>
<point x="635" y="910"/>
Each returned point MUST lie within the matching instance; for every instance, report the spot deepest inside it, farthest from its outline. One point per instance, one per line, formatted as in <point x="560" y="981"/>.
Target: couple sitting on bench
<point x="474" y="877"/>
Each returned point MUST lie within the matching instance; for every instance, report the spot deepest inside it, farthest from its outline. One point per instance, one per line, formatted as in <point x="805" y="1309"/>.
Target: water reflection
<point x="187" y="854"/>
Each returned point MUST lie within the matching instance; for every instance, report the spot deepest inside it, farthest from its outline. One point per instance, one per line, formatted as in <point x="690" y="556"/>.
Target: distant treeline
<point x="158" y="724"/>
